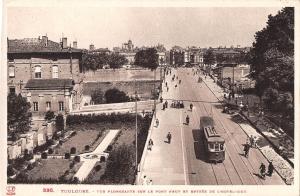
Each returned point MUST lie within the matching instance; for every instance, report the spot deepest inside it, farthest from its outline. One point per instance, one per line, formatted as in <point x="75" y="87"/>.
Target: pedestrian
<point x="270" y="169"/>
<point x="167" y="89"/>
<point x="166" y="104"/>
<point x="161" y="99"/>
<point x="236" y="100"/>
<point x="251" y="141"/>
<point x="254" y="142"/>
<point x="246" y="150"/>
<point x="166" y="84"/>
<point x="150" y="144"/>
<point x="191" y="106"/>
<point x="157" y="122"/>
<point x="175" y="85"/>
<point x="262" y="170"/>
<point x="169" y="137"/>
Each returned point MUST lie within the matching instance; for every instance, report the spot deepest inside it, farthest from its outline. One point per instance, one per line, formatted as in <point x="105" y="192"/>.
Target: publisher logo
<point x="10" y="190"/>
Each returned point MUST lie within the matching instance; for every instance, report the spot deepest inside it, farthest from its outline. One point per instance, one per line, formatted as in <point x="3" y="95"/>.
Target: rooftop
<point x="30" y="45"/>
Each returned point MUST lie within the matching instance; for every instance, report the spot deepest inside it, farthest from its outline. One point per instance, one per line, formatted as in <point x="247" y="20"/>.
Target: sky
<point x="145" y="26"/>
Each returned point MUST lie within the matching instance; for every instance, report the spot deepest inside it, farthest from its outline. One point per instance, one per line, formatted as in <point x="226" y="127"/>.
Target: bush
<point x="75" y="180"/>
<point x="44" y="155"/>
<point x="109" y="148"/>
<point x="67" y="155"/>
<point x="102" y="159"/>
<point x="72" y="165"/>
<point x="114" y="95"/>
<point x="50" y="142"/>
<point x="73" y="150"/>
<point x="50" y="151"/>
<point x="98" y="168"/>
<point x="49" y="115"/>
<point x="77" y="159"/>
<point x="97" y="96"/>
<point x="28" y="157"/>
<point x="87" y="148"/>
<point x="10" y="171"/>
<point x="30" y="167"/>
<point x="59" y="121"/>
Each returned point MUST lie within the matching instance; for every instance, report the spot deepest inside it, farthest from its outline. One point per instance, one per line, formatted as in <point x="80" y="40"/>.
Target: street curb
<point x="273" y="145"/>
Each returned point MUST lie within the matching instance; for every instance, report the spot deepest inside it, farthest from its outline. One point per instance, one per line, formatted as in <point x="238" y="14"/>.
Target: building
<point x="193" y="56"/>
<point x="93" y="50"/>
<point x="177" y="56"/>
<point x="48" y="73"/>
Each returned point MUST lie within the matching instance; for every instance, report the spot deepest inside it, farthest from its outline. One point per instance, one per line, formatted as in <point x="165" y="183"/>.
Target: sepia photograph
<point x="149" y="95"/>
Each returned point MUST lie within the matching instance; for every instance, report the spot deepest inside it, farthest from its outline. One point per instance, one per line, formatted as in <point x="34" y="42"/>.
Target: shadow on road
<point x="199" y="149"/>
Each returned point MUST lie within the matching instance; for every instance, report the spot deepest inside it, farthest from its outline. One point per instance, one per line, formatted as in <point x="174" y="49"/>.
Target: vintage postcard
<point x="150" y="97"/>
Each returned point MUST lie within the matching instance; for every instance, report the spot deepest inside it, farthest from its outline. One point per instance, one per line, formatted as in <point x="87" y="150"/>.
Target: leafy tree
<point x="60" y="124"/>
<point x="147" y="58"/>
<point x="115" y="96"/>
<point x="97" y="96"/>
<point x="120" y="165"/>
<point x="272" y="62"/>
<point x="49" y="115"/>
<point x="209" y="57"/>
<point x="18" y="114"/>
<point x="115" y="60"/>
<point x="94" y="61"/>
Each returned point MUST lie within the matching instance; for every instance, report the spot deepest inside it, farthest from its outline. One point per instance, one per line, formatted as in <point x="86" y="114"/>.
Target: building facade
<point x="48" y="73"/>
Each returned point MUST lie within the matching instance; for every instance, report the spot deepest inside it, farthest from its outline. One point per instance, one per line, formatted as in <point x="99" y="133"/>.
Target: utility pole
<point x="136" y="130"/>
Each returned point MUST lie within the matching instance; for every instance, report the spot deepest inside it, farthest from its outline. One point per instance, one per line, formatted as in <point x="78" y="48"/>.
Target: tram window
<point x="211" y="147"/>
<point x="222" y="147"/>
<point x="217" y="147"/>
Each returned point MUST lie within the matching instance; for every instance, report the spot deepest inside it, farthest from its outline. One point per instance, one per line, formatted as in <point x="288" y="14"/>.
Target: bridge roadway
<point x="183" y="160"/>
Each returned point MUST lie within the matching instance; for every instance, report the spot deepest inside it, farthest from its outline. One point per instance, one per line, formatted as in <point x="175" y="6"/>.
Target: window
<point x="217" y="147"/>
<point x="211" y="147"/>
<point x="61" y="106"/>
<point x="54" y="71"/>
<point x="35" y="106"/>
<point x="222" y="147"/>
<point x="48" y="105"/>
<point x="12" y="90"/>
<point x="37" y="72"/>
<point x="11" y="71"/>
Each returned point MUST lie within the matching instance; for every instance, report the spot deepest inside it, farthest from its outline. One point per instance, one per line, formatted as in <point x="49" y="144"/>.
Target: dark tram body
<point x="214" y="144"/>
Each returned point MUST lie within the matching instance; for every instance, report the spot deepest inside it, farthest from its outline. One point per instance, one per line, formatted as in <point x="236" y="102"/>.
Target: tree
<point x="272" y="61"/>
<point x="49" y="115"/>
<point x="115" y="96"/>
<point x="120" y="165"/>
<point x="97" y="96"/>
<point x="94" y="61"/>
<point x="60" y="123"/>
<point x="115" y="60"/>
<point x="147" y="58"/>
<point x="18" y="114"/>
<point x="209" y="57"/>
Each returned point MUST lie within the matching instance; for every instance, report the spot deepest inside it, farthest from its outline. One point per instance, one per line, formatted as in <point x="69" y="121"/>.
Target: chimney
<point x="45" y="40"/>
<point x="64" y="42"/>
<point x="75" y="44"/>
<point x="92" y="47"/>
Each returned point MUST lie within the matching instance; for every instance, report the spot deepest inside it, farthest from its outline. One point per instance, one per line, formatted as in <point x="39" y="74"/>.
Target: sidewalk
<point x="267" y="142"/>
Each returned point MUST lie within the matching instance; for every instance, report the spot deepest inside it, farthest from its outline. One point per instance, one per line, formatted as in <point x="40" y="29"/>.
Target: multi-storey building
<point x="48" y="73"/>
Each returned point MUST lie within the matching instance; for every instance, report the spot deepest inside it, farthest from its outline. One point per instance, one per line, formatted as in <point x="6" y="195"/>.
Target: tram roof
<point x="212" y="135"/>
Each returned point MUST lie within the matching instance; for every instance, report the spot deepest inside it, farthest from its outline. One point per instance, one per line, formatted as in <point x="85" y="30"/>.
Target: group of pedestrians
<point x="263" y="172"/>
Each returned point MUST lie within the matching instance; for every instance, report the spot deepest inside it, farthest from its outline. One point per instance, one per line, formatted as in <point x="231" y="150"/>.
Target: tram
<point x="214" y="144"/>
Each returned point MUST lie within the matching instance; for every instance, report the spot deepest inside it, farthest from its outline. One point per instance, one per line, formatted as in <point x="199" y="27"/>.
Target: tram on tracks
<point x="214" y="144"/>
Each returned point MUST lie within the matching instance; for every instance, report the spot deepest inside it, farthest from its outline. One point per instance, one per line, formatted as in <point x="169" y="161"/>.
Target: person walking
<point x="246" y="150"/>
<point x="157" y="122"/>
<point x="270" y="169"/>
<point x="262" y="170"/>
<point x="191" y="106"/>
<point x="169" y="137"/>
<point x="150" y="144"/>
<point x="166" y="104"/>
<point x="187" y="119"/>
<point x="251" y="141"/>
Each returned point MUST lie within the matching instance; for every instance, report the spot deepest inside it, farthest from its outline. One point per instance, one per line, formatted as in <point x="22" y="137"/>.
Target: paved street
<point x="183" y="161"/>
